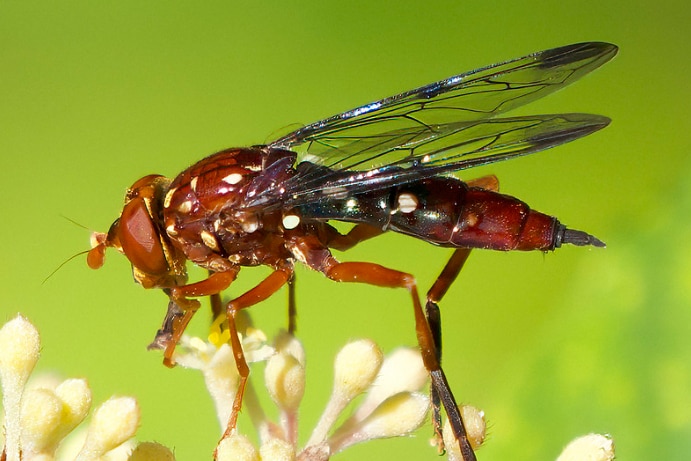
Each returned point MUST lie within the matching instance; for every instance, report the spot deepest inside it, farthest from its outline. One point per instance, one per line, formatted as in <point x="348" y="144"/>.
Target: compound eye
<point x="140" y="239"/>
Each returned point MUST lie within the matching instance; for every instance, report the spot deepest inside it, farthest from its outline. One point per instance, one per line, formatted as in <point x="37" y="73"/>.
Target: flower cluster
<point x="38" y="418"/>
<point x="393" y="406"/>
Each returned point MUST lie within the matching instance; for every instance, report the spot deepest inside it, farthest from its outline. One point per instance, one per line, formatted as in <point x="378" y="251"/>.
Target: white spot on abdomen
<point x="407" y="202"/>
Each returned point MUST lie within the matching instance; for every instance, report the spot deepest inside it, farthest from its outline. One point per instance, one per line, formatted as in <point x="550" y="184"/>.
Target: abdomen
<point x="447" y="212"/>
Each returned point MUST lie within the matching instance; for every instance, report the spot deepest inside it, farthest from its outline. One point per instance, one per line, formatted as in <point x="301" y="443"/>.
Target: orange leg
<point x="181" y="309"/>
<point x="374" y="274"/>
<point x="489" y="182"/>
<point x="359" y="233"/>
<point x="266" y="288"/>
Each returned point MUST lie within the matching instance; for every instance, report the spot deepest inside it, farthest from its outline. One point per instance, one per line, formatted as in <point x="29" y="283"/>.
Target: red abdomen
<point x="449" y="213"/>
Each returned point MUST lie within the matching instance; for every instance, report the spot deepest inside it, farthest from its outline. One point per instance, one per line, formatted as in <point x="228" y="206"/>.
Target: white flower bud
<point x="236" y="447"/>
<point x="356" y="367"/>
<point x="277" y="450"/>
<point x="222" y="380"/>
<point x="475" y="427"/>
<point x="120" y="453"/>
<point x="76" y="398"/>
<point x="115" y="421"/>
<point x="41" y="412"/>
<point x="397" y="416"/>
<point x="591" y="447"/>
<point x="19" y="350"/>
<point x="151" y="451"/>
<point x="289" y="344"/>
<point x="402" y="371"/>
<point x="285" y="381"/>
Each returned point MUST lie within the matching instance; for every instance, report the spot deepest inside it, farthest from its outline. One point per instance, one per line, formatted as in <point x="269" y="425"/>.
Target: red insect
<point x="383" y="166"/>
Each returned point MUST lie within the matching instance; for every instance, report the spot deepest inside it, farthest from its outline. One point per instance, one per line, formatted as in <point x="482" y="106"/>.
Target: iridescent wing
<point x="441" y="127"/>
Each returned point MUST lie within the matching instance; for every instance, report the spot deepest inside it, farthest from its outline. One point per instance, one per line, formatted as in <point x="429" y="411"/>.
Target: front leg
<point x="262" y="291"/>
<point x="181" y="309"/>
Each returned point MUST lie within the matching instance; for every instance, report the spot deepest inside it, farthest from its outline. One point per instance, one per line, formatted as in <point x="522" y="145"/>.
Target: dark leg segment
<point x="292" y="310"/>
<point x="434" y="295"/>
<point x="181" y="309"/>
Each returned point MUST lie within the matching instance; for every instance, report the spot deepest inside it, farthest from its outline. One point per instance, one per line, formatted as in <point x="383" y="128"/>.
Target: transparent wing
<point x="418" y="155"/>
<point x="474" y="95"/>
<point x="445" y="126"/>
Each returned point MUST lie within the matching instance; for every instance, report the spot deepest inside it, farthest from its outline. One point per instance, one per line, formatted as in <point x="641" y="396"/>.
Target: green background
<point x="94" y="95"/>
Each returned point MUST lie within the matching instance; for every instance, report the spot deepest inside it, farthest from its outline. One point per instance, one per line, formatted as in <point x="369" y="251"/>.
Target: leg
<point x="311" y="251"/>
<point x="451" y="271"/>
<point x="374" y="274"/>
<point x="266" y="288"/>
<point x="434" y="295"/>
<point x="489" y="182"/>
<point x="359" y="233"/>
<point x="292" y="311"/>
<point x="181" y="309"/>
<point x="216" y="304"/>
<point x="171" y="323"/>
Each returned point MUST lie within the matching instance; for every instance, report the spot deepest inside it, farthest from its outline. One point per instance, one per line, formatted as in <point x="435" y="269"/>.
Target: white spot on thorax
<point x="291" y="221"/>
<point x="233" y="178"/>
<point x="193" y="183"/>
<point x="171" y="231"/>
<point x="168" y="198"/>
<point x="250" y="224"/>
<point x="209" y="240"/>
<point x="185" y="207"/>
<point x="407" y="202"/>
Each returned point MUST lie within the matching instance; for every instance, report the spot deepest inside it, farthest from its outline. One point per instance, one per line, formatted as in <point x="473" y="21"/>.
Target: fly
<point x="384" y="166"/>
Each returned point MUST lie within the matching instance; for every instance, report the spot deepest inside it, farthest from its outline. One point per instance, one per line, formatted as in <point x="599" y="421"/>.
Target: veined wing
<point x="474" y="95"/>
<point x="414" y="154"/>
<point x="445" y="126"/>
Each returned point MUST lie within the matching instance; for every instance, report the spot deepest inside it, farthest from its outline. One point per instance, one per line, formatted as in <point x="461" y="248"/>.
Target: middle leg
<point x="259" y="293"/>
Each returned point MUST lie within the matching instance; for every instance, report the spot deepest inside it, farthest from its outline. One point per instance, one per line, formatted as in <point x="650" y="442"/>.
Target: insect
<point x="384" y="166"/>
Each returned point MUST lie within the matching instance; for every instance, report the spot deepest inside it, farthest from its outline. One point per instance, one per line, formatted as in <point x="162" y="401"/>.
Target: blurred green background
<point x="94" y="95"/>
